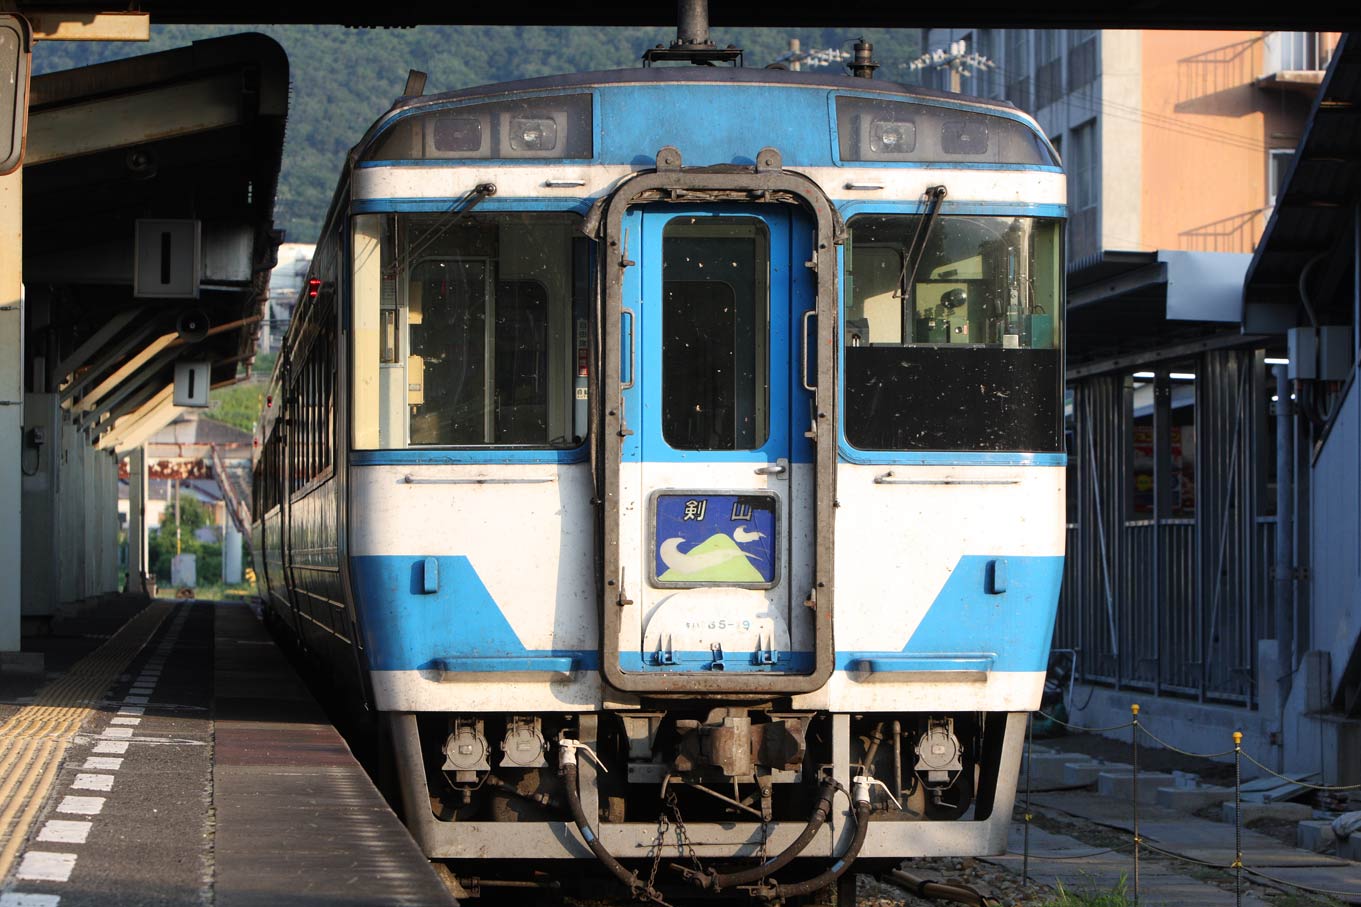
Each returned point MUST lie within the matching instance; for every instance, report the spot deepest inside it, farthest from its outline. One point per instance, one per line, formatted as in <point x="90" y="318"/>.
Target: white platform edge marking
<point x="43" y="866"/>
<point x="86" y="781"/>
<point x="22" y="899"/>
<point x="103" y="763"/>
<point x="117" y="747"/>
<point x="65" y="831"/>
<point x="81" y="806"/>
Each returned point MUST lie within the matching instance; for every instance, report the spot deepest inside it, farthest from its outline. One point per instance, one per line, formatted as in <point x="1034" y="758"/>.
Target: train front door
<point x="716" y="476"/>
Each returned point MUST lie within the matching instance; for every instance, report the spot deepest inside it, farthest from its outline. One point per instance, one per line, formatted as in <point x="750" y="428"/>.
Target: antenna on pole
<point x="799" y="59"/>
<point x="959" y="60"/>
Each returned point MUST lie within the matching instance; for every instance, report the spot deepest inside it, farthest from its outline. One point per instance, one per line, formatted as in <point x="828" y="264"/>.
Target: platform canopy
<point x="1313" y="226"/>
<point x="149" y="188"/>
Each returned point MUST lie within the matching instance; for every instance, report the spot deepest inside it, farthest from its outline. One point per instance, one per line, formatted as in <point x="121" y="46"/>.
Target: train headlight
<point x="537" y="134"/>
<point x="893" y="137"/>
<point x="543" y="126"/>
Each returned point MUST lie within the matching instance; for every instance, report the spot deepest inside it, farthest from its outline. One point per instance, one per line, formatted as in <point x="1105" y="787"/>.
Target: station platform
<point x="171" y="755"/>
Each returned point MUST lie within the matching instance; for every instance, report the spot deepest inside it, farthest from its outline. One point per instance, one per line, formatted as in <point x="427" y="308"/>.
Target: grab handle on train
<point x="803" y="376"/>
<point x="625" y="385"/>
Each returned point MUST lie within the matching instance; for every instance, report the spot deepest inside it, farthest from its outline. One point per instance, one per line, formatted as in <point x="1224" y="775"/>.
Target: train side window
<point x="953" y="333"/>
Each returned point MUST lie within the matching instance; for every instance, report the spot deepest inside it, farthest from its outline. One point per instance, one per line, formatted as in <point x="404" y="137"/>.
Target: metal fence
<point x="1171" y="604"/>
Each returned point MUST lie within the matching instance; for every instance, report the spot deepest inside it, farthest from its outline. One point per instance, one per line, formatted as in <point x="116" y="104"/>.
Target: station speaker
<point x="192" y="325"/>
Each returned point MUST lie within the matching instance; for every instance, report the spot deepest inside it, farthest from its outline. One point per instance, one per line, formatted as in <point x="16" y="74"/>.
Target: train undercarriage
<point x="741" y="799"/>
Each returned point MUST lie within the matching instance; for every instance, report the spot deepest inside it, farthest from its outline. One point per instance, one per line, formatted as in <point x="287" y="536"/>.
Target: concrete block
<point x="1192" y="799"/>
<point x="1185" y="780"/>
<point x="1119" y="785"/>
<point x="1349" y="848"/>
<point x="1289" y="812"/>
<point x="1089" y="770"/>
<point x="1315" y="835"/>
<point x="23" y="663"/>
<point x="1046" y="769"/>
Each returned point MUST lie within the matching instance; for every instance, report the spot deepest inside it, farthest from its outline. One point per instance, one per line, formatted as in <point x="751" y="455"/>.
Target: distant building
<point x="1172" y="139"/>
<point x="184" y="457"/>
<point x="285" y="285"/>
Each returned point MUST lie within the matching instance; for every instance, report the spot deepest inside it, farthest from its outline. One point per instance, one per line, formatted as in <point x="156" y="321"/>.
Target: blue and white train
<point x="664" y="453"/>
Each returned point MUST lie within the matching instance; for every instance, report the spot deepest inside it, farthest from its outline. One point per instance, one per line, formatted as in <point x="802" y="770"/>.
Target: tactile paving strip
<point x="33" y="741"/>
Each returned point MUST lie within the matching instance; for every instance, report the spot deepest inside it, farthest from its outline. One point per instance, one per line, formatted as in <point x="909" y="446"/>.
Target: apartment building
<point x="1173" y="140"/>
<point x="1176" y="146"/>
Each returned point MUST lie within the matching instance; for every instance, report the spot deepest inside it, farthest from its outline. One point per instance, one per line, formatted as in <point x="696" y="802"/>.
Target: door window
<point x="715" y="334"/>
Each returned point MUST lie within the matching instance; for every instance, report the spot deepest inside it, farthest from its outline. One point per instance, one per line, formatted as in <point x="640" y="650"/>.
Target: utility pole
<point x="178" y="550"/>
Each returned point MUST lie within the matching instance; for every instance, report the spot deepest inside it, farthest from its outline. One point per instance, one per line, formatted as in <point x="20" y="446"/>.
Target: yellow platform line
<point x="33" y="740"/>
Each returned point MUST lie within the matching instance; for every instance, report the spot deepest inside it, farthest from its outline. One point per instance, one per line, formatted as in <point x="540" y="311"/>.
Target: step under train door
<point x="716" y="463"/>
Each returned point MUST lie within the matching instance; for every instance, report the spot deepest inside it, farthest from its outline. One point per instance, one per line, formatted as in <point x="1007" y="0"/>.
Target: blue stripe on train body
<point x="409" y="629"/>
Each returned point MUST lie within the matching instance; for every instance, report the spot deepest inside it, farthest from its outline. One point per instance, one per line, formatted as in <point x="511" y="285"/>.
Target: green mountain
<point x="731" y="566"/>
<point x="343" y="78"/>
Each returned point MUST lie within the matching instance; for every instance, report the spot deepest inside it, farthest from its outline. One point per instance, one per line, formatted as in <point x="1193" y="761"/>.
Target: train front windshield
<point x="470" y="330"/>
<point x="953" y="333"/>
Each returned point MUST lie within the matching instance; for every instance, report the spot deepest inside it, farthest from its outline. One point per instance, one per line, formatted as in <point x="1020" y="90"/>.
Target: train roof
<point x="693" y="74"/>
<point x="723" y="75"/>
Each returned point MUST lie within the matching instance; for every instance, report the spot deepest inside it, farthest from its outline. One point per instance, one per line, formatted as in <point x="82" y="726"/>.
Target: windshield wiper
<point x="916" y="249"/>
<point x="456" y="212"/>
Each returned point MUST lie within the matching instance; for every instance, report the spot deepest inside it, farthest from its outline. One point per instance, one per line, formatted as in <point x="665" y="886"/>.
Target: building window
<point x="1082" y="185"/>
<point x="1277" y="170"/>
<point x="1081" y="58"/>
<point x="1048" y="43"/>
<point x="1048" y="83"/>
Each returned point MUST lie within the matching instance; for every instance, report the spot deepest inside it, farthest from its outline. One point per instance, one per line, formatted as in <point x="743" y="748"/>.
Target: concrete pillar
<point x="42" y="420"/>
<point x="71" y="559"/>
<point x="11" y="406"/>
<point x="137" y="528"/>
<point x="108" y="520"/>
